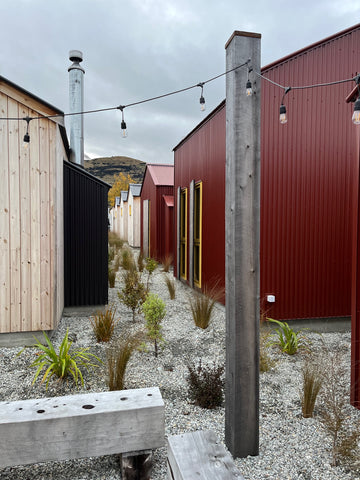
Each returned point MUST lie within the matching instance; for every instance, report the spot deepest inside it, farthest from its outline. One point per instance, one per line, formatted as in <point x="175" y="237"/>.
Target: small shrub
<point x="112" y="277"/>
<point x="312" y="376"/>
<point x="154" y="311"/>
<point x="288" y="339"/>
<point x="64" y="363"/>
<point x="167" y="262"/>
<point x="202" y="305"/>
<point x="103" y="324"/>
<point x="133" y="293"/>
<point x="127" y="259"/>
<point x="117" y="263"/>
<point x="118" y="356"/>
<point x="206" y="384"/>
<point x="170" y="282"/>
<point x="140" y="261"/>
<point x="150" y="266"/>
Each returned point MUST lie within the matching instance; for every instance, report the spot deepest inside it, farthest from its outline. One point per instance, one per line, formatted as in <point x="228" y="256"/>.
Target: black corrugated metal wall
<point x="85" y="238"/>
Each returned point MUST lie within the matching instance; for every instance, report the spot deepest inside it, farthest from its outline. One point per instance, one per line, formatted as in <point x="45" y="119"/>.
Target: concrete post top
<point x="237" y="33"/>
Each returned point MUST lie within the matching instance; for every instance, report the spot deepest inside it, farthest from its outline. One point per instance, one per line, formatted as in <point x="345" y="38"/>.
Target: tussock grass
<point x="118" y="356"/>
<point x="170" y="283"/>
<point x="103" y="324"/>
<point x="312" y="376"/>
<point x="202" y="305"/>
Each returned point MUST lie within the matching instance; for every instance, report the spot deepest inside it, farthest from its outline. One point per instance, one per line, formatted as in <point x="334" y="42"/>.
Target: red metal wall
<point x="355" y="295"/>
<point x="202" y="158"/>
<point x="306" y="183"/>
<point x="159" y="226"/>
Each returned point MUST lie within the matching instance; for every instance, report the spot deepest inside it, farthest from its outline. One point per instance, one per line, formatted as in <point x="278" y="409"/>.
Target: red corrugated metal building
<point x="157" y="207"/>
<point x="307" y="169"/>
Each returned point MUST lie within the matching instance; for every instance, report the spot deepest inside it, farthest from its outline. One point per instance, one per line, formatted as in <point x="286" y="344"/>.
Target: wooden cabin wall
<point x="29" y="199"/>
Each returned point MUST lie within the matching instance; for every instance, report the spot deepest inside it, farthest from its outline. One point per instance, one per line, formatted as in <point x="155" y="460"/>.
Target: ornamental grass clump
<point x="170" y="283"/>
<point x="127" y="259"/>
<point x="202" y="305"/>
<point x="266" y="363"/>
<point x="312" y="376"/>
<point x="140" y="261"/>
<point x="154" y="311"/>
<point x="64" y="363"/>
<point x="206" y="385"/>
<point x="103" y="324"/>
<point x="118" y="356"/>
<point x="115" y="241"/>
<point x="111" y="277"/>
<point x="167" y="262"/>
<point x="288" y="340"/>
<point x="133" y="294"/>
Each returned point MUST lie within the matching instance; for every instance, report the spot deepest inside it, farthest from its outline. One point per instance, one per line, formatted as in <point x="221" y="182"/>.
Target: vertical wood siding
<point x="29" y="199"/>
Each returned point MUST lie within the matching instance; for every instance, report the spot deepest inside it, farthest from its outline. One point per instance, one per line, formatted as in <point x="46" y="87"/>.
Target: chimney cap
<point x="76" y="56"/>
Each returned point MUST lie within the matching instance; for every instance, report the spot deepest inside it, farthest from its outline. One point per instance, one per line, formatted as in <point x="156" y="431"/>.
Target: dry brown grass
<point x="170" y="283"/>
<point x="202" y="305"/>
<point x="103" y="324"/>
<point x="312" y="376"/>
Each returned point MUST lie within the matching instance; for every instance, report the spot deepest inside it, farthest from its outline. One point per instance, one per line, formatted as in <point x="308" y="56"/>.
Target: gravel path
<point x="291" y="447"/>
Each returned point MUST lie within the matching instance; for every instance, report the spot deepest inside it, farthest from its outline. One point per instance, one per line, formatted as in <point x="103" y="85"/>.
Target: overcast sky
<point x="136" y="49"/>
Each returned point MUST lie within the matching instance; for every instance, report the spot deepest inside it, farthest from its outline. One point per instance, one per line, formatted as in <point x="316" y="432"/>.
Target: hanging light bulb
<point x="123" y="123"/>
<point x="248" y="89"/>
<point x="202" y="99"/>
<point x="356" y="114"/>
<point x="283" y="117"/>
<point x="26" y="139"/>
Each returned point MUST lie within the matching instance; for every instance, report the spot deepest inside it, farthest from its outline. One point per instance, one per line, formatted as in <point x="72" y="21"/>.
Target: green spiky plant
<point x="64" y="363"/>
<point x="288" y="340"/>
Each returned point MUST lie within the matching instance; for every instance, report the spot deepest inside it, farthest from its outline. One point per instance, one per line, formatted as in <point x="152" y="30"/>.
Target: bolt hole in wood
<point x="123" y="398"/>
<point x="41" y="411"/>
<point x="149" y="394"/>
<point x="88" y="407"/>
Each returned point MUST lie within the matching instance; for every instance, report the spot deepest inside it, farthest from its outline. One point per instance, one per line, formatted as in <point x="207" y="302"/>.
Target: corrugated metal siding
<point x="355" y="295"/>
<point x="307" y="168"/>
<point x="306" y="184"/>
<point x="158" y="223"/>
<point x="86" y="238"/>
<point x="202" y="158"/>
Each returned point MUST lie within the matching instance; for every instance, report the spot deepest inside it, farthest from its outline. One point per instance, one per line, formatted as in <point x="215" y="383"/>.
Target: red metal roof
<point x="161" y="174"/>
<point x="169" y="200"/>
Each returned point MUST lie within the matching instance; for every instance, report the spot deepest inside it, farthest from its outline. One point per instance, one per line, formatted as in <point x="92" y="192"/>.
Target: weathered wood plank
<point x="45" y="260"/>
<point x="25" y="226"/>
<point x="199" y="455"/>
<point x="15" y="214"/>
<point x="35" y="225"/>
<point x="4" y="220"/>
<point x="75" y="426"/>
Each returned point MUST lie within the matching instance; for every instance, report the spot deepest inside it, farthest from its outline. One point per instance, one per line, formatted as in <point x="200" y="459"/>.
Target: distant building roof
<point x="124" y="195"/>
<point x="169" y="200"/>
<point x="135" y="189"/>
<point x="162" y="174"/>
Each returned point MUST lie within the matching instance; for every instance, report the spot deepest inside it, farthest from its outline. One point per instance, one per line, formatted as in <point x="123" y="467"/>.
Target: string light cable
<point x="283" y="117"/>
<point x="122" y="107"/>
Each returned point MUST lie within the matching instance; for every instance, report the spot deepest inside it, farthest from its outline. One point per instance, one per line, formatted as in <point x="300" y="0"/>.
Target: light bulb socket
<point x="26" y="138"/>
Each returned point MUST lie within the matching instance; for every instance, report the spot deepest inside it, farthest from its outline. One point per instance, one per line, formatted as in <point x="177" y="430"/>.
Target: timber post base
<point x="75" y="426"/>
<point x="199" y="455"/>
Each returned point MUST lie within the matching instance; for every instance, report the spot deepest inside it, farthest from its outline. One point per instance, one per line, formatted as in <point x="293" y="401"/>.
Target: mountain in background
<point x="106" y="167"/>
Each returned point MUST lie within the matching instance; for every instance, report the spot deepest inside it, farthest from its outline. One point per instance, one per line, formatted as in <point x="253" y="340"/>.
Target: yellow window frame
<point x="197" y="240"/>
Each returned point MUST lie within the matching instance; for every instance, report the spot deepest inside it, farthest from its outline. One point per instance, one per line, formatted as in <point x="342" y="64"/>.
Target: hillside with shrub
<point x="106" y="167"/>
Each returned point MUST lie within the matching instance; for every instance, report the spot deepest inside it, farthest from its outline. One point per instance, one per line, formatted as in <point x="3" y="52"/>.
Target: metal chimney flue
<point x="76" y="99"/>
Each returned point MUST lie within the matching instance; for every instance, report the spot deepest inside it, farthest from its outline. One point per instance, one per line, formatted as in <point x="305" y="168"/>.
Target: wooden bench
<point x="84" y="425"/>
<point x="199" y="455"/>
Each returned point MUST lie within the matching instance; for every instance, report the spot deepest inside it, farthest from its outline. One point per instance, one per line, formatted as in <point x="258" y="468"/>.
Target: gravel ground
<point x="291" y="447"/>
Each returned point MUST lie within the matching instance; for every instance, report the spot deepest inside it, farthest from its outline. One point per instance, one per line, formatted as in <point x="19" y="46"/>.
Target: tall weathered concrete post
<point x="76" y="104"/>
<point x="242" y="239"/>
